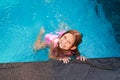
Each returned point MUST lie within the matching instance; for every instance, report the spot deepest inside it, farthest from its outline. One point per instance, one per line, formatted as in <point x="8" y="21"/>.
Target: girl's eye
<point x="69" y="42"/>
<point x="65" y="37"/>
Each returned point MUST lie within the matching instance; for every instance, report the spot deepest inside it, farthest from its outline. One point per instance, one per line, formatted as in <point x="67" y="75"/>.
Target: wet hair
<point x="78" y="40"/>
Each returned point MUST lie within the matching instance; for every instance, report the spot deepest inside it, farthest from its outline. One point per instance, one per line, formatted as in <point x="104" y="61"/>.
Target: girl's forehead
<point x="68" y="34"/>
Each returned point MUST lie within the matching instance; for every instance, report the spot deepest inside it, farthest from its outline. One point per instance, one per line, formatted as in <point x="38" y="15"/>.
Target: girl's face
<point x="66" y="41"/>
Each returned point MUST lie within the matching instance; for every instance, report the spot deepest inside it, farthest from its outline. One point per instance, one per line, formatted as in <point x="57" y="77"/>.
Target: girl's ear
<point x="73" y="48"/>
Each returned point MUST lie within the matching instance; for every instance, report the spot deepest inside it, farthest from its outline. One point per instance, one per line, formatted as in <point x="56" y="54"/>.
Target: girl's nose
<point x="64" y="41"/>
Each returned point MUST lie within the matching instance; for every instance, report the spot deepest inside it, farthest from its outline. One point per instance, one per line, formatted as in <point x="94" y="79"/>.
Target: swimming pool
<point x="21" y="20"/>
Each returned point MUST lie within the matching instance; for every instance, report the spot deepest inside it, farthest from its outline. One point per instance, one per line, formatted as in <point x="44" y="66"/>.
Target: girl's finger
<point x="64" y="61"/>
<point x="67" y="60"/>
<point x="81" y="59"/>
<point x="84" y="59"/>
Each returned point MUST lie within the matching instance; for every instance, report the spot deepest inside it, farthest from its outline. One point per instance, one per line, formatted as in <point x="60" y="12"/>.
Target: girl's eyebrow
<point x="65" y="36"/>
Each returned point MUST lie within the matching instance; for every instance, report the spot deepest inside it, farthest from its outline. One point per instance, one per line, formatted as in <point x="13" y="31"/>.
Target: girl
<point x="62" y="46"/>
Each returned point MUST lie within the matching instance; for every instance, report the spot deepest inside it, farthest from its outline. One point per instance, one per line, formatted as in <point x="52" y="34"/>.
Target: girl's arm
<point x="39" y="44"/>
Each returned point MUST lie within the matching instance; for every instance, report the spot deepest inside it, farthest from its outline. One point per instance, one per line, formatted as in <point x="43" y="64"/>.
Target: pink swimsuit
<point x="49" y="37"/>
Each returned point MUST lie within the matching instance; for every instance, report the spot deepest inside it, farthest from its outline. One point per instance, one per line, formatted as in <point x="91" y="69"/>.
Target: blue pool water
<point x="21" y="20"/>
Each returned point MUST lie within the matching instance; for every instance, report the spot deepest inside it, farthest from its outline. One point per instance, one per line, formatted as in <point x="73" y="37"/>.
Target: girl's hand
<point x="65" y="60"/>
<point x="82" y="58"/>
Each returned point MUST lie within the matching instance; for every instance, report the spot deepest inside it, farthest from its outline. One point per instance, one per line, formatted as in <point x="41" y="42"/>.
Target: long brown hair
<point x="78" y="40"/>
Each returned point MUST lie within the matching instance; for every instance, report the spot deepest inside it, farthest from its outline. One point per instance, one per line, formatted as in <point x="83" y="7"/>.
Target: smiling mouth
<point x="61" y="45"/>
